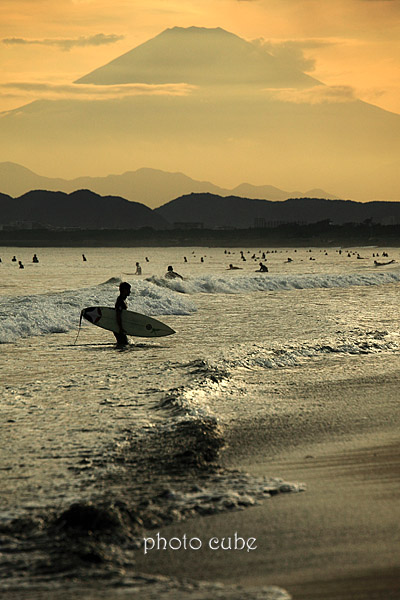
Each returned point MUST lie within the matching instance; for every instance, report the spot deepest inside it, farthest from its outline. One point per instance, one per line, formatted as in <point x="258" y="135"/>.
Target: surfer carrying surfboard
<point x="120" y="305"/>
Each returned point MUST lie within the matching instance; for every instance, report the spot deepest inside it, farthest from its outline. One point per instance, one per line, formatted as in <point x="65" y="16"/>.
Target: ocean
<point x="102" y="447"/>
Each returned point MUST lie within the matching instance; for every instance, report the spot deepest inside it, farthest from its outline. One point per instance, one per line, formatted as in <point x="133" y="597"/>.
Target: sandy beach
<point x="340" y="541"/>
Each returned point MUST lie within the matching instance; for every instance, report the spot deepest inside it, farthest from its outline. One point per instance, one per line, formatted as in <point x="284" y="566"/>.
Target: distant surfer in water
<point x="263" y="268"/>
<point x="120" y="305"/>
<point x="171" y="274"/>
<point x="138" y="269"/>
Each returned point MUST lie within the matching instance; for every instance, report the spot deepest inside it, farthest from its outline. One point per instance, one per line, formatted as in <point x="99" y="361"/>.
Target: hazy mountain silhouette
<point x="198" y="56"/>
<point x="247" y="115"/>
<point x="82" y="208"/>
<point x="88" y="210"/>
<point x="151" y="187"/>
<point x="216" y="211"/>
<point x="269" y="192"/>
<point x="16" y="180"/>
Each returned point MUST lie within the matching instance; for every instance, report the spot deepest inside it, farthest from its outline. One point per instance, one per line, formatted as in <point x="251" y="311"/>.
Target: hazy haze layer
<point x="210" y="104"/>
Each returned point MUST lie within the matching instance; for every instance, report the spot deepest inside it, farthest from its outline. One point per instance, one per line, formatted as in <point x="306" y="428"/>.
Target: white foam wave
<point x="228" y="490"/>
<point x="354" y="343"/>
<point x="25" y="316"/>
<point x="263" y="282"/>
<point x="215" y="378"/>
<point x="194" y="401"/>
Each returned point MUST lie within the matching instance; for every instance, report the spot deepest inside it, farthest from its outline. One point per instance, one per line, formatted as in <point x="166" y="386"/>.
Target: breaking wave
<point x="25" y="316"/>
<point x="265" y="282"/>
<point x="355" y="342"/>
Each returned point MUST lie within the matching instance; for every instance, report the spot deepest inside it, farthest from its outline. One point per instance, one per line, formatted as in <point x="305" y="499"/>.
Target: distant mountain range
<point x="207" y="102"/>
<point x="82" y="208"/>
<point x="232" y="211"/>
<point x="87" y="210"/>
<point x="151" y="187"/>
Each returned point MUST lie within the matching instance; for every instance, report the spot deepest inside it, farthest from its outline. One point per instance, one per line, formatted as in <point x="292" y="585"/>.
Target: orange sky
<point x="353" y="43"/>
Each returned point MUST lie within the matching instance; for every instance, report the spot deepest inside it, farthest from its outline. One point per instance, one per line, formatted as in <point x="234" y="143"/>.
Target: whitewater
<point x="103" y="446"/>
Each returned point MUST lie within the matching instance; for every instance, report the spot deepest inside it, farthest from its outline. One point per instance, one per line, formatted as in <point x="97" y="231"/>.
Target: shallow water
<point x="101" y="445"/>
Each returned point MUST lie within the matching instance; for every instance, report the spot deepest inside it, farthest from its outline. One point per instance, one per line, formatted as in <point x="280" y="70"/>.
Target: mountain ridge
<point x="235" y="212"/>
<point x="85" y="209"/>
<point x="145" y="185"/>
<point x="81" y="208"/>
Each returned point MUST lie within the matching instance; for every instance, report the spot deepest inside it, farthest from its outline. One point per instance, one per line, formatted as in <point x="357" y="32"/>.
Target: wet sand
<point x="339" y="540"/>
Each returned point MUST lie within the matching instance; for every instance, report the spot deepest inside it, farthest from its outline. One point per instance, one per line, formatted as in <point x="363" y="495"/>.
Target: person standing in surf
<point x="120" y="305"/>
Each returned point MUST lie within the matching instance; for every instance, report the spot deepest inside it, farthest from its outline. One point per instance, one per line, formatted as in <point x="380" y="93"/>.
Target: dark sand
<point x="339" y="540"/>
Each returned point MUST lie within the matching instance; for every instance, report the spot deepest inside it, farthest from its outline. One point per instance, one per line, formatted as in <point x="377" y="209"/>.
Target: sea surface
<point x="103" y="446"/>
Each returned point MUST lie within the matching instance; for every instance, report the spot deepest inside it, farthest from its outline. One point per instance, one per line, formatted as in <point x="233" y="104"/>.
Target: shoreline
<point x="338" y="540"/>
<point x="333" y="429"/>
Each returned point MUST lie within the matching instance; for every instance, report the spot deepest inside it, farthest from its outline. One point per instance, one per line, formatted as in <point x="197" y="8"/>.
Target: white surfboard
<point x="133" y="323"/>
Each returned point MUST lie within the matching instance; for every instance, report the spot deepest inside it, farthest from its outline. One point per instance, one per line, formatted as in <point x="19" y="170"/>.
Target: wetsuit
<point x="121" y="305"/>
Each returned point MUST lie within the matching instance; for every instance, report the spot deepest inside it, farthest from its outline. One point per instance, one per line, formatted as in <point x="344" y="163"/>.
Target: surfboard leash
<point x="79" y="328"/>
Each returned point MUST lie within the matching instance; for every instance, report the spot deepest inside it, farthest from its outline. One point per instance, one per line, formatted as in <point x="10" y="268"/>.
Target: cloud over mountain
<point x="318" y="94"/>
<point x="98" y="39"/>
<point x="71" y="91"/>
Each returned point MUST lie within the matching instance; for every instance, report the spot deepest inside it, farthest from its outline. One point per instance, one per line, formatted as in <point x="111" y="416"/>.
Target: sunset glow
<point x="353" y="43"/>
<point x="92" y="88"/>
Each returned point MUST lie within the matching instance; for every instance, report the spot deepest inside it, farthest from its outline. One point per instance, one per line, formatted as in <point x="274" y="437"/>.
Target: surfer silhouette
<point x="120" y="305"/>
<point x="171" y="274"/>
<point x="138" y="269"/>
<point x="263" y="268"/>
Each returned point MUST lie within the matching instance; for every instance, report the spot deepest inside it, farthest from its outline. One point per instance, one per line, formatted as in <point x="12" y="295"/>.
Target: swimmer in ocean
<point x="171" y="274"/>
<point x="263" y="268"/>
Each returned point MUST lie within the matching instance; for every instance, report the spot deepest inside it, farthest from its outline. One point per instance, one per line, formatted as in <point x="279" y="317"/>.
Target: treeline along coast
<point x="316" y="234"/>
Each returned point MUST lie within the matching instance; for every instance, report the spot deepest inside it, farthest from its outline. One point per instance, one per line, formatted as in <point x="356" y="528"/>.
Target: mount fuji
<point x="210" y="104"/>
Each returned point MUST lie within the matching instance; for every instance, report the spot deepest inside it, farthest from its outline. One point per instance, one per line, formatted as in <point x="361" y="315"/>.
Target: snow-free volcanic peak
<point x="198" y="56"/>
